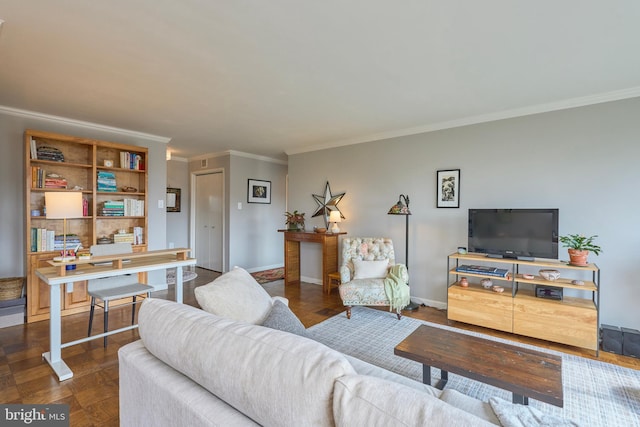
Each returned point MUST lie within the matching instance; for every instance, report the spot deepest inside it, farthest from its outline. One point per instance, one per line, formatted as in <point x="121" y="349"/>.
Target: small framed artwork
<point x="259" y="191"/>
<point x="448" y="188"/>
<point x="173" y="199"/>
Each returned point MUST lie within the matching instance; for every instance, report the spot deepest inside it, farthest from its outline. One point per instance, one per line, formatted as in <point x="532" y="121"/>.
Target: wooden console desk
<point x="57" y="276"/>
<point x="292" y="239"/>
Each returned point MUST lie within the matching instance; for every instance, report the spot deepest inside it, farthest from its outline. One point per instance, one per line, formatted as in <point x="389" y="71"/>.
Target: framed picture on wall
<point x="259" y="191"/>
<point x="173" y="199"/>
<point x="448" y="188"/>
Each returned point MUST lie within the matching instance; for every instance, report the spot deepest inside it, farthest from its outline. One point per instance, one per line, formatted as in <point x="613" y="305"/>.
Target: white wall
<point x="178" y="222"/>
<point x="251" y="237"/>
<point x="582" y="161"/>
<point x="255" y="243"/>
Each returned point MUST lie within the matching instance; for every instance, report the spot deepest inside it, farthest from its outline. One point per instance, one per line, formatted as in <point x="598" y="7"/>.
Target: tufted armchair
<point x="366" y="262"/>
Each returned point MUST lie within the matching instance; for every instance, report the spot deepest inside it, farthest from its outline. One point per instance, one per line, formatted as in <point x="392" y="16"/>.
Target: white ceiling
<point x="286" y="76"/>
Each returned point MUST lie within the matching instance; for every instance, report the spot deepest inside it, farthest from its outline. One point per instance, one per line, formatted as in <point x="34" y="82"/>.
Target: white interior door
<point x="208" y="221"/>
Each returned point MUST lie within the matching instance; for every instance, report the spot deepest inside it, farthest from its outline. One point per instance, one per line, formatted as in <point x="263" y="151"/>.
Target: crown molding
<point x="178" y="159"/>
<point x="79" y="123"/>
<point x="483" y="118"/>
<point x="239" y="154"/>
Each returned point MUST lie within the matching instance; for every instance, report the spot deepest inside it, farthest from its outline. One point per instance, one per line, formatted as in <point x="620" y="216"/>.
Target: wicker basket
<point x="11" y="288"/>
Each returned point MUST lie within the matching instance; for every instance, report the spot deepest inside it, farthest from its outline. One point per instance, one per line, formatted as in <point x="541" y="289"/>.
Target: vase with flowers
<point x="295" y="220"/>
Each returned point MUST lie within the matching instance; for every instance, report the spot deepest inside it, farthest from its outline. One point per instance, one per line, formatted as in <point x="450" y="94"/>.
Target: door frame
<point x="192" y="216"/>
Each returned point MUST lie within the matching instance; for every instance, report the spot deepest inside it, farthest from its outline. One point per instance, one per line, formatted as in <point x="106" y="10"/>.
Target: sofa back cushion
<point x="361" y="400"/>
<point x="273" y="377"/>
<point x="235" y="295"/>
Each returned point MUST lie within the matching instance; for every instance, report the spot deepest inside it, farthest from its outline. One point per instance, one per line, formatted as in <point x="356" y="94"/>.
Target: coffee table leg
<point x="426" y="374"/>
<point x="444" y="377"/>
<point x="520" y="399"/>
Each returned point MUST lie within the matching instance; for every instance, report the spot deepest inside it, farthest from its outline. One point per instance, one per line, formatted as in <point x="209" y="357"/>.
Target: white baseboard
<point x="430" y="303"/>
<point x="311" y="280"/>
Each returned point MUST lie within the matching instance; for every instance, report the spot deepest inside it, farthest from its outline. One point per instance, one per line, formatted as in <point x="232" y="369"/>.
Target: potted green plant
<point x="295" y="220"/>
<point x="579" y="247"/>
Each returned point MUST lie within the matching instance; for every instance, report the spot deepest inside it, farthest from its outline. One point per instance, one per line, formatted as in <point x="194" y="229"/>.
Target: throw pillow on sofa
<point x="235" y="295"/>
<point x="282" y="318"/>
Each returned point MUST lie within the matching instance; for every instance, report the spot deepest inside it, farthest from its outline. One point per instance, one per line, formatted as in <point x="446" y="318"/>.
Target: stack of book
<point x="37" y="177"/>
<point x="73" y="242"/>
<point x="113" y="208"/>
<point x="53" y="180"/>
<point x="123" y="238"/>
<point x="49" y="153"/>
<point x="131" y="161"/>
<point x="482" y="269"/>
<point x="138" y="235"/>
<point x="42" y="239"/>
<point x="106" y="181"/>
<point x="133" y="207"/>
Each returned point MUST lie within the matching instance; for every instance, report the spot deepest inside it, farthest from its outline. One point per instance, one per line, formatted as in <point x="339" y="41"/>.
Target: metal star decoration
<point x="327" y="202"/>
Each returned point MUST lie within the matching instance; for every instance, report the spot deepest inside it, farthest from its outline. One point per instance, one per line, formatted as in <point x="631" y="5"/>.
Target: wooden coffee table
<point x="526" y="373"/>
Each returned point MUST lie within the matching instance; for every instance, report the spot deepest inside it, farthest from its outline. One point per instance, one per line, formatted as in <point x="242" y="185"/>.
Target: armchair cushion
<point x="375" y="269"/>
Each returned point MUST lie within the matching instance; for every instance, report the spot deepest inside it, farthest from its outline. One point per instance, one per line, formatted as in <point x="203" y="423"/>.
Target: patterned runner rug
<point x="269" y="275"/>
<point x="595" y="393"/>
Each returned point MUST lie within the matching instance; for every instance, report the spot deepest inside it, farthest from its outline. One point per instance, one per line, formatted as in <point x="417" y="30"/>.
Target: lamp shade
<point x="400" y="208"/>
<point x="335" y="216"/>
<point x="63" y="205"/>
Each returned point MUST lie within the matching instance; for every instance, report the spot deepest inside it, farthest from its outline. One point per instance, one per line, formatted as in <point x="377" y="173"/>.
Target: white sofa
<point x="194" y="368"/>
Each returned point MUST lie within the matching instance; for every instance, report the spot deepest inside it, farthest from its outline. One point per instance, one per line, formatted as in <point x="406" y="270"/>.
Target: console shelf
<point x="573" y="320"/>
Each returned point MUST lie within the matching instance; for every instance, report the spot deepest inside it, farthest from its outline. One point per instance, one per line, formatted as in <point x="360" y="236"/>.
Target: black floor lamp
<point x="403" y="209"/>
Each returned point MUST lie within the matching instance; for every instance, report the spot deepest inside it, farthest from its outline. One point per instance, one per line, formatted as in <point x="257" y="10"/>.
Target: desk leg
<point x="179" y="284"/>
<point x="54" y="355"/>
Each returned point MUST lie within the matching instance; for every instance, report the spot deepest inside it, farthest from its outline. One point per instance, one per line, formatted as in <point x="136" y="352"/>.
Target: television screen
<point x="514" y="233"/>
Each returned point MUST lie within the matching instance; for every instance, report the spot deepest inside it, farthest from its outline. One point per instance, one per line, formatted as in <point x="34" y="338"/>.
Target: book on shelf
<point x="34" y="150"/>
<point x="483" y="269"/>
<point x="131" y="161"/>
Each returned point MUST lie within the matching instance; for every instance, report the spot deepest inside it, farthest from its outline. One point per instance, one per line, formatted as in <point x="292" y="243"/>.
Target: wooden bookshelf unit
<point x="72" y="163"/>
<point x="572" y="320"/>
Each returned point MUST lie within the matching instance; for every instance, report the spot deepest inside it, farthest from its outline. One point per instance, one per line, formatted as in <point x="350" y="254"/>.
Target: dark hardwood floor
<point x="92" y="393"/>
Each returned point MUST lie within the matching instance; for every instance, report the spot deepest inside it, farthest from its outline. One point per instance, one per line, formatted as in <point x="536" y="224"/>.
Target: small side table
<point x="331" y="277"/>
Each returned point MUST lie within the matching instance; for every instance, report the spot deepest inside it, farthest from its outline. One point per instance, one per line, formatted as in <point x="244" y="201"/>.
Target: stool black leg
<point x="106" y="320"/>
<point x="93" y="306"/>
<point x="133" y="310"/>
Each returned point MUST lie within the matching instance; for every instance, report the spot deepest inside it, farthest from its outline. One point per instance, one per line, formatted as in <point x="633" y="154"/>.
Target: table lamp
<point x="335" y="217"/>
<point x="401" y="208"/>
<point x="63" y="205"/>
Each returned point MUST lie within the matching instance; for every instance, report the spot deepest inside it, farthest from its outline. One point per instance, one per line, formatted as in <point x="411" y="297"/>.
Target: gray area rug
<point x="595" y="393"/>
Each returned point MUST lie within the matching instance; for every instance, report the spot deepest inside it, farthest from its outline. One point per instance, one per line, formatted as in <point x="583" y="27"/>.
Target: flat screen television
<point x="514" y="233"/>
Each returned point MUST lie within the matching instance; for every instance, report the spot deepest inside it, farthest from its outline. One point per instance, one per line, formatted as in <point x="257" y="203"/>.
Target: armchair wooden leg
<point x="399" y="315"/>
<point x="348" y="312"/>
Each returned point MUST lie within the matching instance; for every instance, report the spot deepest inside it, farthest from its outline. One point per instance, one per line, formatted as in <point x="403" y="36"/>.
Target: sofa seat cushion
<point x="273" y="377"/>
<point x="363" y="292"/>
<point x="235" y="295"/>
<point x="367" y="401"/>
